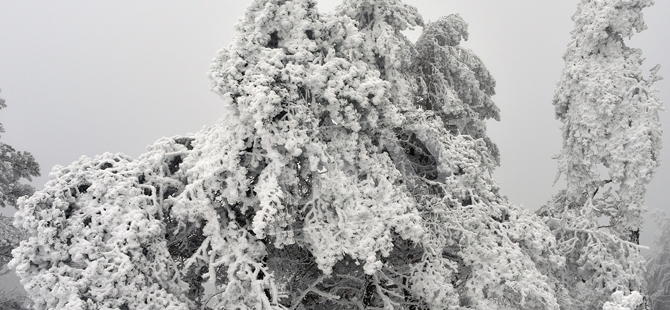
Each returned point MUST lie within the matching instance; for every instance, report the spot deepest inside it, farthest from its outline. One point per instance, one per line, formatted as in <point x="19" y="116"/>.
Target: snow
<point x="351" y="169"/>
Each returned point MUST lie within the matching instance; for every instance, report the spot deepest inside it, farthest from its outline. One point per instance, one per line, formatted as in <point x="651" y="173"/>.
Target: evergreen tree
<point x="454" y="82"/>
<point x="611" y="143"/>
<point x="15" y="167"/>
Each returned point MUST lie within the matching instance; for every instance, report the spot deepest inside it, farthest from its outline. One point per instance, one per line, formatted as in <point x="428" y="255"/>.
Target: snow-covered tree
<point x="351" y="170"/>
<point x="10" y="237"/>
<point x="658" y="266"/>
<point x="454" y="82"/>
<point x="611" y="143"/>
<point x="15" y="166"/>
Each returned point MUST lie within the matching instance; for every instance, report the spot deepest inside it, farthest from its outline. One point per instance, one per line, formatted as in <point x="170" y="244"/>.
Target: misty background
<point x="89" y="77"/>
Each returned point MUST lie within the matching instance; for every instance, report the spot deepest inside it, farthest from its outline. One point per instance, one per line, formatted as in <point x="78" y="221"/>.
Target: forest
<point x="352" y="169"/>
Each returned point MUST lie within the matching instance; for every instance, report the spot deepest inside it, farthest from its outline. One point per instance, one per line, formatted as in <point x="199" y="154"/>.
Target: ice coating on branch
<point x="483" y="243"/>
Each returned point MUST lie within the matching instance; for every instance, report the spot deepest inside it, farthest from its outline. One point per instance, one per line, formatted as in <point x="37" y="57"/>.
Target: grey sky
<point x="88" y="77"/>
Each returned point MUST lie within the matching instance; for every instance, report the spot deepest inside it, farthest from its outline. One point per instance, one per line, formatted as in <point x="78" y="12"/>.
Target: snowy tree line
<point x="352" y="170"/>
<point x="15" y="167"/>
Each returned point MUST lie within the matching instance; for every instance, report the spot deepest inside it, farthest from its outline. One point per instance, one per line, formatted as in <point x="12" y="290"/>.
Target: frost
<point x="621" y="302"/>
<point x="346" y="173"/>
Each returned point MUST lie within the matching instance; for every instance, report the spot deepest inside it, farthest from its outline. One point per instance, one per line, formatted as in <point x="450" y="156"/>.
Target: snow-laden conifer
<point x="454" y="82"/>
<point x="15" y="167"/>
<point x="611" y="143"/>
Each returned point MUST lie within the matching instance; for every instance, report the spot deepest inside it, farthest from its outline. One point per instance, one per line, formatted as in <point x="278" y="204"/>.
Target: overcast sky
<point x="88" y="77"/>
